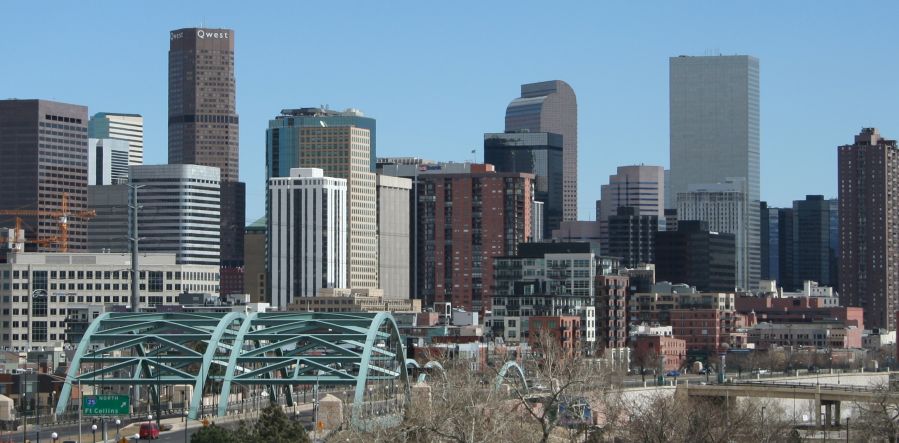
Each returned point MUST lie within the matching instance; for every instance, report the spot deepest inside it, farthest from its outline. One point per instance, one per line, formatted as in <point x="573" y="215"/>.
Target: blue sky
<point x="439" y="75"/>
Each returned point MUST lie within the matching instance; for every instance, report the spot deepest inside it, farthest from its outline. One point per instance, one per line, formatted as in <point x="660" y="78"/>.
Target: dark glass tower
<point x="203" y="128"/>
<point x="538" y="153"/>
<point x="811" y="237"/>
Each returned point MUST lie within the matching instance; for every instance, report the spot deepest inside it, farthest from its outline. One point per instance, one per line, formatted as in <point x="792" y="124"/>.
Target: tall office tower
<point x="785" y="239"/>
<point x="638" y="186"/>
<point x="714" y="121"/>
<point x="393" y="235"/>
<point x="696" y="256"/>
<point x="464" y="220"/>
<point x="204" y="129"/>
<point x="632" y="236"/>
<point x="107" y="161"/>
<point x="282" y="141"/>
<point x="538" y="153"/>
<point x="255" y="280"/>
<point x="43" y="157"/>
<point x="307" y="233"/>
<point x="769" y="242"/>
<point x="179" y="213"/>
<point x="343" y="152"/>
<point x="724" y="207"/>
<point x="128" y="127"/>
<point x="869" y="226"/>
<point x="811" y="241"/>
<point x="551" y="106"/>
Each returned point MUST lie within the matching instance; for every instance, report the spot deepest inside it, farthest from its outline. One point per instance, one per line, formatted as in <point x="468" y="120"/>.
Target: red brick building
<point x="798" y="310"/>
<point x="611" y="311"/>
<point x="565" y="329"/>
<point x="704" y="330"/>
<point x="465" y="219"/>
<point x="647" y="348"/>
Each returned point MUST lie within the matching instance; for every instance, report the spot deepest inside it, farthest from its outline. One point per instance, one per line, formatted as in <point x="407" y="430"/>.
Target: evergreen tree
<point x="214" y="434"/>
<point x="273" y="426"/>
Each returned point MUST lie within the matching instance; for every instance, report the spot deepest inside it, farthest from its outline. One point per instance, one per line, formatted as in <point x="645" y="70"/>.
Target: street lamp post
<point x="94" y="432"/>
<point x="54" y="436"/>
<point x="149" y="426"/>
<point x="118" y="427"/>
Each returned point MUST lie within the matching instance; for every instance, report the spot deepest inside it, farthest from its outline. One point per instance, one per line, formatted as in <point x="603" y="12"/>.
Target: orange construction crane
<point x="63" y="216"/>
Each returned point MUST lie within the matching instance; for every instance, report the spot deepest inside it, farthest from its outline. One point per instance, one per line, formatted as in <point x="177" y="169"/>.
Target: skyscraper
<point x="538" y="153"/>
<point x="723" y="206"/>
<point x="204" y="128"/>
<point x="696" y="256"/>
<point x="43" y="156"/>
<point x="636" y="186"/>
<point x="869" y="227"/>
<point x="632" y="236"/>
<point x="128" y="127"/>
<point x="342" y="149"/>
<point x="179" y="213"/>
<point x="714" y="122"/>
<point x="465" y="219"/>
<point x="551" y="106"/>
<point x="394" y="220"/>
<point x="769" y="241"/>
<point x="308" y="232"/>
<point x="282" y="149"/>
<point x="811" y="241"/>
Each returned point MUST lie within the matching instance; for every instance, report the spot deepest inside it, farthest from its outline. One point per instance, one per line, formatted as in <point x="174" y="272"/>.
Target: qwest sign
<point x="206" y="34"/>
<point x="202" y="33"/>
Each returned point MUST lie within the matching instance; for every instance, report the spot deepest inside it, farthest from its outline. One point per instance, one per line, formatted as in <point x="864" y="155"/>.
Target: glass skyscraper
<point x="538" y="153"/>
<point x="714" y="121"/>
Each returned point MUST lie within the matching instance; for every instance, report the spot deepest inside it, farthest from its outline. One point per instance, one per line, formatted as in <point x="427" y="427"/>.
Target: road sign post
<point x="105" y="404"/>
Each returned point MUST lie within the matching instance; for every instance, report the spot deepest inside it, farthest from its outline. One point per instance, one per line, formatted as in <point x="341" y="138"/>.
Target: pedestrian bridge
<point x="218" y="353"/>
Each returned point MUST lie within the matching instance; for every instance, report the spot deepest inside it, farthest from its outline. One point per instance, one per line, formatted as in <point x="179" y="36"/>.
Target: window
<point x="39" y="331"/>
<point x="155" y="281"/>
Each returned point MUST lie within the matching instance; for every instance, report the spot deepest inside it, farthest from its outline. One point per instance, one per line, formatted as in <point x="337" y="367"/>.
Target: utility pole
<point x="135" y="276"/>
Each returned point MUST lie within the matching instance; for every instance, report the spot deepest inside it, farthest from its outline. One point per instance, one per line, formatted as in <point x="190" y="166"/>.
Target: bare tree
<point x="879" y="419"/>
<point x="668" y="418"/>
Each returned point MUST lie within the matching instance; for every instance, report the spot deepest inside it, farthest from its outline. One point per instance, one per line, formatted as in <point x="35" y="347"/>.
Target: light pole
<point x="149" y="426"/>
<point x="118" y="427"/>
<point x="847" y="429"/>
<point x="54" y="436"/>
<point x="94" y="432"/>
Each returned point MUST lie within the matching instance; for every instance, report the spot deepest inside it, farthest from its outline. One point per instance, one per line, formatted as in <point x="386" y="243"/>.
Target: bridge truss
<point x="220" y="353"/>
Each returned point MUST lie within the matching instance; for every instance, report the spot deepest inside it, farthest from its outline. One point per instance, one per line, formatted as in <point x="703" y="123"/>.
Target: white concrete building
<point x="308" y="233"/>
<point x="128" y="127"/>
<point x="107" y="161"/>
<point x="179" y="211"/>
<point x="39" y="291"/>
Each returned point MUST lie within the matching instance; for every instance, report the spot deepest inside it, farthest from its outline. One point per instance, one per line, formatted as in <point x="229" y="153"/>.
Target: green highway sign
<point x="106" y="405"/>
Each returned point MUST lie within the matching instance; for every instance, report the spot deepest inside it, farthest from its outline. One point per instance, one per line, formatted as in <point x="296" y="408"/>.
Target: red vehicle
<point x="149" y="431"/>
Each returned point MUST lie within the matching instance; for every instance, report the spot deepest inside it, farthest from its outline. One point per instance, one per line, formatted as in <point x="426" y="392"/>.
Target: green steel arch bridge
<point x="219" y="353"/>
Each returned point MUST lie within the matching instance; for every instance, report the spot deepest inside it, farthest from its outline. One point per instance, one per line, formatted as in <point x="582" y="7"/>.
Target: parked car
<point x="705" y="371"/>
<point x="672" y="374"/>
<point x="149" y="431"/>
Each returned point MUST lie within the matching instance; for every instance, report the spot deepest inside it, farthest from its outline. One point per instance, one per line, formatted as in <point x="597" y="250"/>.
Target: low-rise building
<point x="565" y="330"/>
<point x="39" y="290"/>
<point x="652" y="351"/>
<point x="353" y="300"/>
<point x="875" y="339"/>
<point x="813" y="303"/>
<point x="821" y="335"/>
<point x="655" y="307"/>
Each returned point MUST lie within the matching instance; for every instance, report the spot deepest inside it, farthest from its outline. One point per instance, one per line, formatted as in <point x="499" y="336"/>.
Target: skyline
<point x="813" y="95"/>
